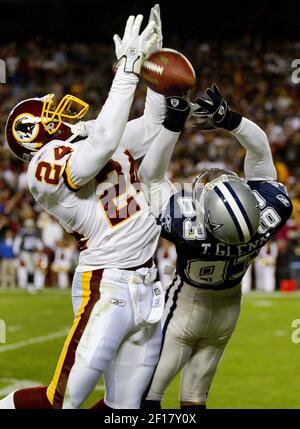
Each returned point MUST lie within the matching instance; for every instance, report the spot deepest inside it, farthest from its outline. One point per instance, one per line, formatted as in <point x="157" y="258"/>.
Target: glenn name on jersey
<point x="205" y="262"/>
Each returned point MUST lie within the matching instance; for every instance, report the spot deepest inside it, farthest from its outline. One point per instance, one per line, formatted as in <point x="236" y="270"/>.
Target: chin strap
<point x="78" y="130"/>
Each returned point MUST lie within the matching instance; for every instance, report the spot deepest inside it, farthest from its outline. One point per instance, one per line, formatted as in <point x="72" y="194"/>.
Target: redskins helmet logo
<point x="25" y="128"/>
<point x="34" y="122"/>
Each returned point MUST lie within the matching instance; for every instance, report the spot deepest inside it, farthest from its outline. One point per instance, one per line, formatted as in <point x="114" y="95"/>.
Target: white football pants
<point x="197" y="325"/>
<point x="111" y="335"/>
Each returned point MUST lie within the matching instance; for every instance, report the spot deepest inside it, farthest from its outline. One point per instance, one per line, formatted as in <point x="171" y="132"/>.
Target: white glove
<point x="133" y="48"/>
<point x="80" y="128"/>
<point x="155" y="16"/>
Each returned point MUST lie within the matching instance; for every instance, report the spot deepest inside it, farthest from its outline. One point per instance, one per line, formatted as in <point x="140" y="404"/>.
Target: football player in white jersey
<point x="91" y="188"/>
<point x="218" y="230"/>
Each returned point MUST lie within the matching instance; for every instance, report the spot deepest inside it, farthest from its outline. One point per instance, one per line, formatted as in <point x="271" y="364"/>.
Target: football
<point x="168" y="72"/>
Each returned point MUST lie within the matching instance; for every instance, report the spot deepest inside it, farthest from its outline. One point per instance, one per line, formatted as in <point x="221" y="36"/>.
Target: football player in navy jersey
<point x="218" y="230"/>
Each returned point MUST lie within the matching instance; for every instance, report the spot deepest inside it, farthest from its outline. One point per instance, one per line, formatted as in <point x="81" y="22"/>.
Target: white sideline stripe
<point x="263" y="303"/>
<point x="36" y="340"/>
<point x="236" y="210"/>
<point x="272" y="295"/>
<point x="16" y="384"/>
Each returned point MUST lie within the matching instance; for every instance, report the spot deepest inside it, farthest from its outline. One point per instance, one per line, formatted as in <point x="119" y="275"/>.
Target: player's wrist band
<point x="231" y="120"/>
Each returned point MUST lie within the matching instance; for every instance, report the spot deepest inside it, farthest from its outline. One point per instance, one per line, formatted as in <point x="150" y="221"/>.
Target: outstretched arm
<point x="139" y="133"/>
<point x="90" y="156"/>
<point x="258" y="161"/>
<point x="153" y="169"/>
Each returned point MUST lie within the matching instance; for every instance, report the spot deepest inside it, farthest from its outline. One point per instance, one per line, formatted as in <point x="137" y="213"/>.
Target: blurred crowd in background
<point x="256" y="80"/>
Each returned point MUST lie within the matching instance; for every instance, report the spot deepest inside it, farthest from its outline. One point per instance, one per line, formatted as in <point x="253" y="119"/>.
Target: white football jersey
<point x="109" y="213"/>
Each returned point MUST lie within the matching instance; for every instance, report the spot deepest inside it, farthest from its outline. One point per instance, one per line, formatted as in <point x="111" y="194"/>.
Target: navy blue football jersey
<point x="204" y="261"/>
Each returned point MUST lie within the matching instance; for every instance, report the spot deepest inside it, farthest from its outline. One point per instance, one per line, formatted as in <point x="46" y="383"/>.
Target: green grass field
<point x="260" y="368"/>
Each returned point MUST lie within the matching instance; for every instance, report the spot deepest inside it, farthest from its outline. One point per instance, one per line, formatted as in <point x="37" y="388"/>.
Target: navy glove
<point x="216" y="111"/>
